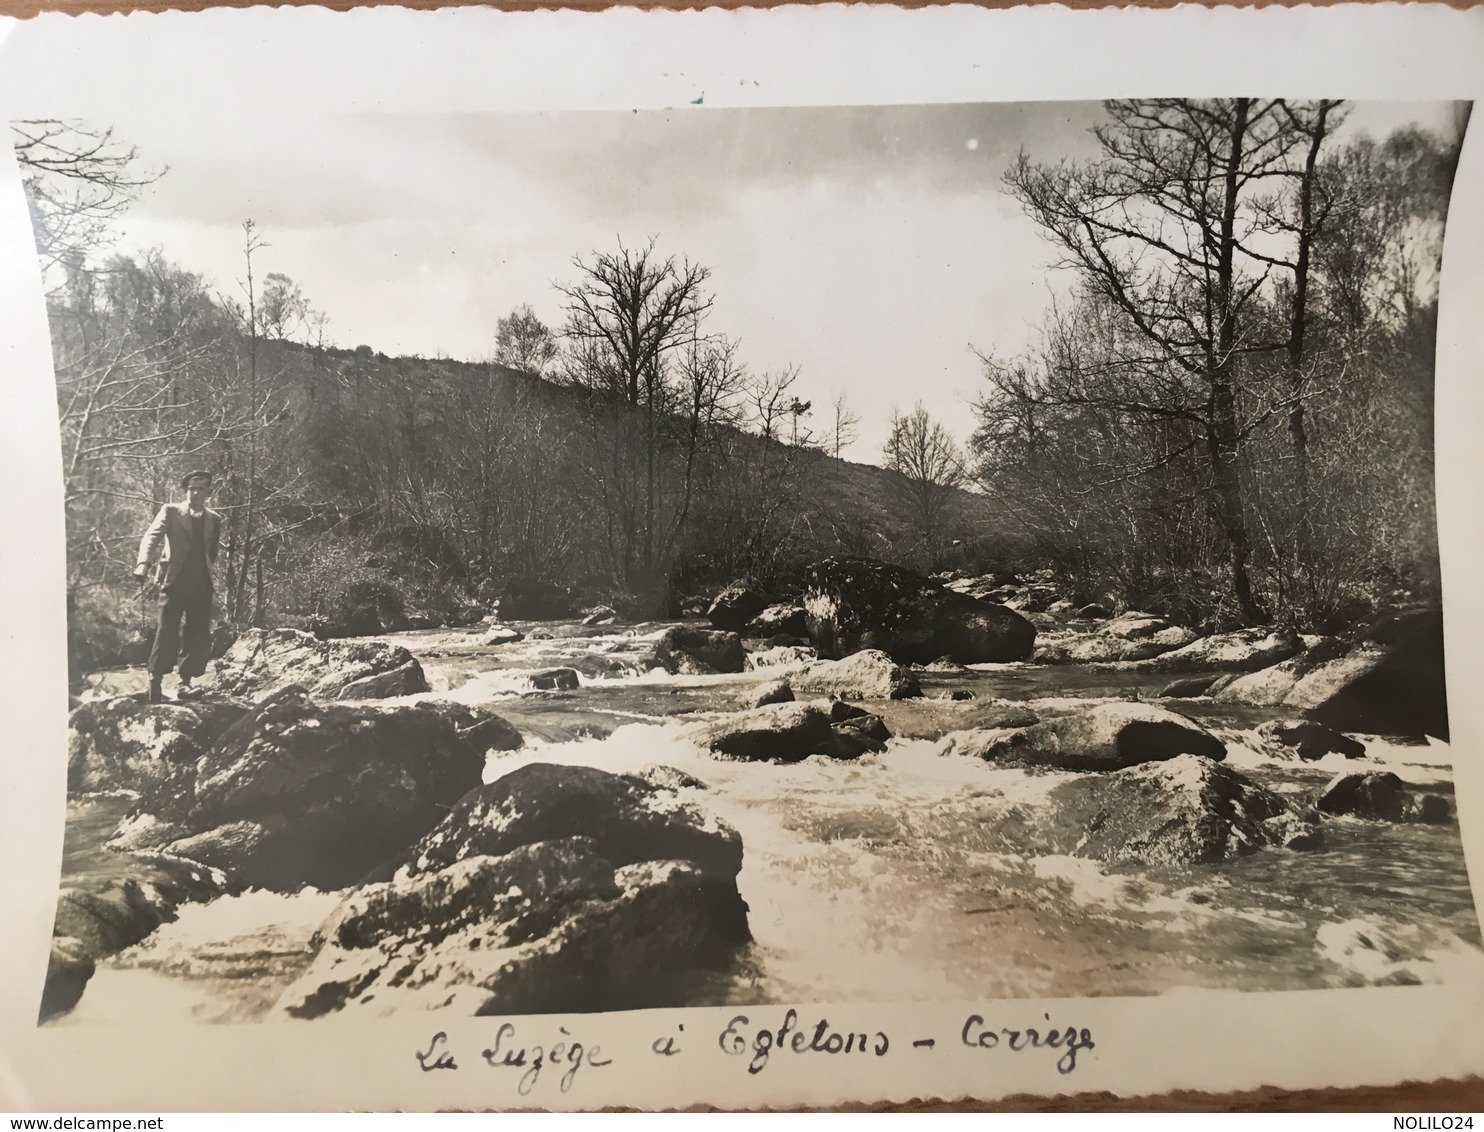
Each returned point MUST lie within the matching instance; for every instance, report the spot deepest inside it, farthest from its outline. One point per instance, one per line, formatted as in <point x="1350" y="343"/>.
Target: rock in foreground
<point x="265" y="661"/>
<point x="859" y="603"/>
<point x="298" y="793"/>
<point x="1105" y="737"/>
<point x="507" y="908"/>
<point x="122" y="743"/>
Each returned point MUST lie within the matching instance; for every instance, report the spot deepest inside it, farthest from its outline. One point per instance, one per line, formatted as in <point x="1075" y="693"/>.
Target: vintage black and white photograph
<point x="593" y="561"/>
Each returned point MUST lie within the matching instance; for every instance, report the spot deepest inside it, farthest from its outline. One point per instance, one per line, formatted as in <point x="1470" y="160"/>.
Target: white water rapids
<point x="876" y="879"/>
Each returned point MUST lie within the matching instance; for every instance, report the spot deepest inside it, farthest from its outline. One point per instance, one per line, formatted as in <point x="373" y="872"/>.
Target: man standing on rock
<point x="190" y="535"/>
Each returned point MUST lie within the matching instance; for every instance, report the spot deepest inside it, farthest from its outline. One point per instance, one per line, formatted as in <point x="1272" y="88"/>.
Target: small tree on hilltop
<point x="523" y="342"/>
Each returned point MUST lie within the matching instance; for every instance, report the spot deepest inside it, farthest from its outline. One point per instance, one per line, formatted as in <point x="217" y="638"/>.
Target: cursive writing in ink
<point x="734" y="1040"/>
<point x="530" y="1060"/>
<point x="977" y="1036"/>
<point x="443" y="1060"/>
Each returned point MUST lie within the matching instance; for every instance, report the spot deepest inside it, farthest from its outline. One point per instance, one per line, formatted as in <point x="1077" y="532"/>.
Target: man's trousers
<point x="186" y="599"/>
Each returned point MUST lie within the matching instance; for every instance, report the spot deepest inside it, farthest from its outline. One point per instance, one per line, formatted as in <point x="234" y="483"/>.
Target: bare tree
<point x="523" y="342"/>
<point x="1169" y="227"/>
<point x="844" y="428"/>
<point x="926" y="457"/>
<point x="78" y="180"/>
<point x="631" y="319"/>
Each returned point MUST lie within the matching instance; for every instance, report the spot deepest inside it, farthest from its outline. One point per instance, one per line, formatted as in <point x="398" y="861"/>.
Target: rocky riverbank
<point x="783" y="801"/>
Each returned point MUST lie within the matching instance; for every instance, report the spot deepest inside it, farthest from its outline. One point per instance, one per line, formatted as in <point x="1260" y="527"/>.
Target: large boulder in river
<point x="866" y="675"/>
<point x="298" y="793"/>
<point x="779" y="621"/>
<point x="1386" y="679"/>
<point x="735" y="606"/>
<point x="1308" y="740"/>
<point x="122" y="743"/>
<point x="555" y="888"/>
<point x="860" y="603"/>
<point x="1378" y="795"/>
<point x="700" y="651"/>
<point x="1188" y="810"/>
<point x="1245" y="650"/>
<point x="789" y="732"/>
<point x="628" y="818"/>
<point x="1109" y="736"/>
<point x="264" y="661"/>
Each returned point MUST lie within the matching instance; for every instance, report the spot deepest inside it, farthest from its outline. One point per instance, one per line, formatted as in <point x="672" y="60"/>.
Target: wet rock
<point x="779" y="620"/>
<point x="700" y="651"/>
<point x="408" y="680"/>
<point x="774" y="692"/>
<point x="627" y="818"/>
<point x="263" y="662"/>
<point x="1104" y="737"/>
<point x="1000" y="714"/>
<point x="1188" y="688"/>
<point x="670" y="778"/>
<point x="298" y="793"/>
<point x="1096" y="648"/>
<point x="859" y="603"/>
<point x="110" y="915"/>
<point x="958" y="694"/>
<point x="555" y="680"/>
<point x="1372" y="794"/>
<point x="1310" y="741"/>
<point x="1186" y="811"/>
<point x="735" y="606"/>
<point x="781" y="656"/>
<point x="68" y="969"/>
<point x="1297" y="831"/>
<point x="945" y="664"/>
<point x="1391" y="683"/>
<point x="1271" y="686"/>
<point x="866" y="675"/>
<point x="502" y="635"/>
<point x="1243" y="651"/>
<point x="1220" y="684"/>
<point x="1429" y="809"/>
<point x="549" y="926"/>
<point x="789" y="732"/>
<point x="1135" y="626"/>
<point x="121" y="743"/>
<point x="480" y="728"/>
<point x="1093" y="612"/>
<point x="598" y="615"/>
<point x="1061" y="608"/>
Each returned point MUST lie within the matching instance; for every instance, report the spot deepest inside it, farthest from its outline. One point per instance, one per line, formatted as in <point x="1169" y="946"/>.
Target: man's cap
<point x="185" y="480"/>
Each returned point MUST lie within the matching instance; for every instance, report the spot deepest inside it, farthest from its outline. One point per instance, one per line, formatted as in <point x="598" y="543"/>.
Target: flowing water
<point x="883" y="878"/>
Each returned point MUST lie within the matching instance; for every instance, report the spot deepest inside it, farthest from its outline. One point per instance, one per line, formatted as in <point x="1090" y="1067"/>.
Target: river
<point x="881" y="878"/>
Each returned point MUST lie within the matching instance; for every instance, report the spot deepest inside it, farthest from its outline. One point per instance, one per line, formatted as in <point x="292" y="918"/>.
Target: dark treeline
<point x="1230" y="419"/>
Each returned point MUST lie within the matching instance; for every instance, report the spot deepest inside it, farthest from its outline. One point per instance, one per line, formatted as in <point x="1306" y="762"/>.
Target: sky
<point x="873" y="248"/>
